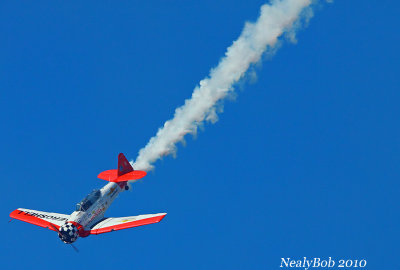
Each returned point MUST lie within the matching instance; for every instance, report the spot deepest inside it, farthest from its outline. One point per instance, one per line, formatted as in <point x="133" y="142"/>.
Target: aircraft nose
<point x="68" y="233"/>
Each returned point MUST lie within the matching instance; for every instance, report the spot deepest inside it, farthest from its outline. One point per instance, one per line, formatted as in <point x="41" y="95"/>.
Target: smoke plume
<point x="276" y="19"/>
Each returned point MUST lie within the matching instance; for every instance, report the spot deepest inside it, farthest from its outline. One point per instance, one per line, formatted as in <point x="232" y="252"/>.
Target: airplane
<point x="88" y="217"/>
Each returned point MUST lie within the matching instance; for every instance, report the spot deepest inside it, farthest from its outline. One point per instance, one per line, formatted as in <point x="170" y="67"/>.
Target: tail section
<point x="123" y="165"/>
<point x="124" y="172"/>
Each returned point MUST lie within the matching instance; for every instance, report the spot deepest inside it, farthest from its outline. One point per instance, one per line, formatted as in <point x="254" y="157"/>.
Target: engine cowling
<point x="68" y="233"/>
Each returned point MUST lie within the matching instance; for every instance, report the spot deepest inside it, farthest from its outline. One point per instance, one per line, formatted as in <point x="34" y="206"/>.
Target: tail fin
<point x="123" y="165"/>
<point x="124" y="172"/>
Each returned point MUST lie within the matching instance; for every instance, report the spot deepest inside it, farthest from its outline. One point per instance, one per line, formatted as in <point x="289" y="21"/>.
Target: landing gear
<point x="126" y="187"/>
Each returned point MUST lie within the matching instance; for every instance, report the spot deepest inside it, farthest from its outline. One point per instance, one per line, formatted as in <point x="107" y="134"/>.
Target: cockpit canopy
<point x="88" y="201"/>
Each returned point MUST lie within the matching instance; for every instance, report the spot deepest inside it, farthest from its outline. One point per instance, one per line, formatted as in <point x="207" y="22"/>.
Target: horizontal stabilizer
<point x="40" y="218"/>
<point x="124" y="172"/>
<point x="112" y="176"/>
<point x="115" y="224"/>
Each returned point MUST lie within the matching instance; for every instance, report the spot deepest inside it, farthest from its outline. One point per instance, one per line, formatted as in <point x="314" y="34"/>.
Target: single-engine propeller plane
<point x="88" y="217"/>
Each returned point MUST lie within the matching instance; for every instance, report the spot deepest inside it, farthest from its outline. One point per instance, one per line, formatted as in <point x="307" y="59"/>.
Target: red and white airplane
<point x="88" y="217"/>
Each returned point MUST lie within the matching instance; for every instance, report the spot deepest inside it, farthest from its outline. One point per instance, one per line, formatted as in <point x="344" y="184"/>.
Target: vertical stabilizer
<point x="124" y="172"/>
<point x="123" y="165"/>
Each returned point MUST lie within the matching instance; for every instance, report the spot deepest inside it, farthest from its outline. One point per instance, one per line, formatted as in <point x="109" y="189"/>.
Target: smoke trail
<point x="277" y="18"/>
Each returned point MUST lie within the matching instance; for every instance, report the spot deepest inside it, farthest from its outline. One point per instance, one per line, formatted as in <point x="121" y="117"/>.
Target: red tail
<point x="124" y="172"/>
<point x="123" y="165"/>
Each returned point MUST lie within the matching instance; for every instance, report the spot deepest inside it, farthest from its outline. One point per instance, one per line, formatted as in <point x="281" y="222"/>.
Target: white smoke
<point x="276" y="18"/>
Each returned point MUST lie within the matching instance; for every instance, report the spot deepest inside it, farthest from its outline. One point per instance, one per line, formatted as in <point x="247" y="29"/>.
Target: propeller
<point x="60" y="235"/>
<point x="55" y="229"/>
<point x="75" y="248"/>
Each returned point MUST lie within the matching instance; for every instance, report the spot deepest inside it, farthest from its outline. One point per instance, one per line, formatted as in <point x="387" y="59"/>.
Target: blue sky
<point x="303" y="163"/>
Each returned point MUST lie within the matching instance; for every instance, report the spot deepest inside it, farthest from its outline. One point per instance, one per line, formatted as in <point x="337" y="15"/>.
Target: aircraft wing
<point x="115" y="224"/>
<point x="40" y="218"/>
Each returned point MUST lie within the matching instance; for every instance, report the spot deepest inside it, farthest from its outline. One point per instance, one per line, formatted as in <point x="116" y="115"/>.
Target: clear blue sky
<point x="305" y="162"/>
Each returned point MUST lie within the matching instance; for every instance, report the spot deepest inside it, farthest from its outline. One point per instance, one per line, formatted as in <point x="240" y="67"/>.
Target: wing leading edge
<point x="115" y="224"/>
<point x="40" y="218"/>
